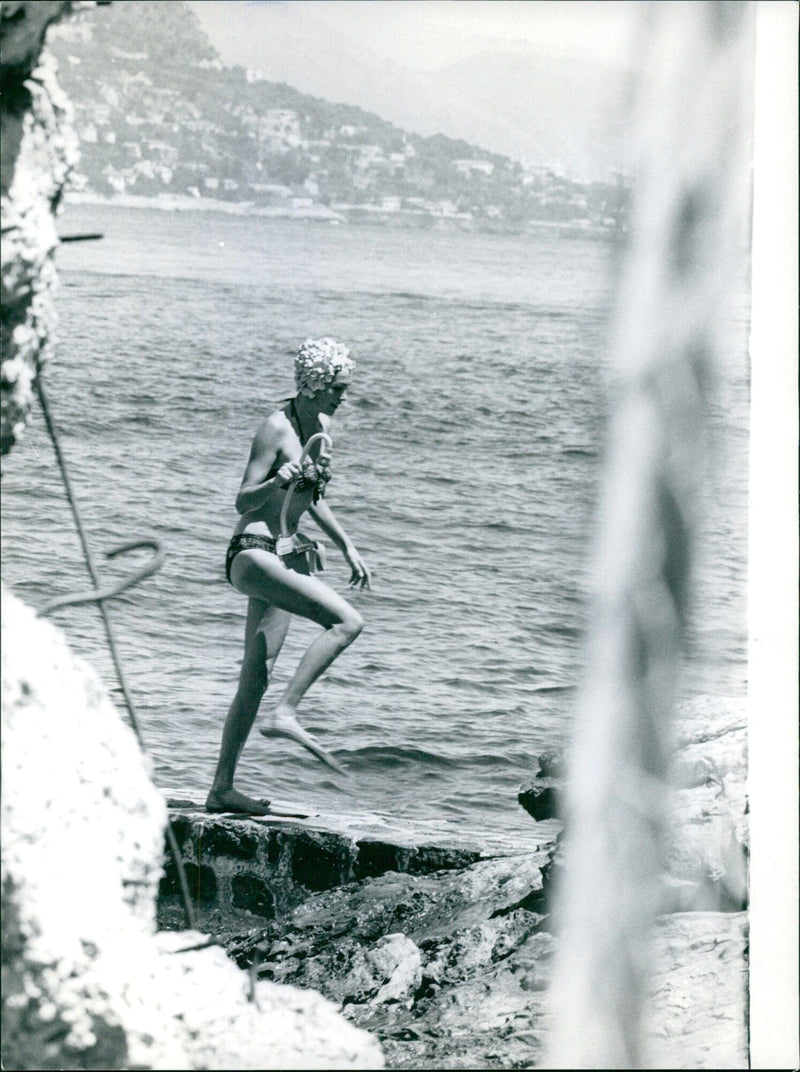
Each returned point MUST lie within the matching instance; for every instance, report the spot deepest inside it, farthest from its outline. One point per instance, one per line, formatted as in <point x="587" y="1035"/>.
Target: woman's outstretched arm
<point x="323" y="515"/>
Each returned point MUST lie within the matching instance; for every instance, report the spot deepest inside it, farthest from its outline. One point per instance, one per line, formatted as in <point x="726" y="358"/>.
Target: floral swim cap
<point x="317" y="364"/>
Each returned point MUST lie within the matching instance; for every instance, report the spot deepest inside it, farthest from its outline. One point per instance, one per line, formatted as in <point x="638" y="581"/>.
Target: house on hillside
<point x="99" y="112"/>
<point x="115" y="179"/>
<point x="162" y="151"/>
<point x="371" y="156"/>
<point x="150" y="170"/>
<point x="419" y="204"/>
<point x="536" y="175"/>
<point x="282" y="123"/>
<point x="470" y="167"/>
<point x="121" y="54"/>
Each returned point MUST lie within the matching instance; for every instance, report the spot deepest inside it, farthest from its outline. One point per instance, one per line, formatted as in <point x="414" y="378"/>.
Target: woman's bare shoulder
<point x="272" y="431"/>
<point x="277" y="423"/>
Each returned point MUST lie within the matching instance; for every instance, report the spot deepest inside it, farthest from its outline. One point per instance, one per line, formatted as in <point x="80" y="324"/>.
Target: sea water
<point x="466" y="467"/>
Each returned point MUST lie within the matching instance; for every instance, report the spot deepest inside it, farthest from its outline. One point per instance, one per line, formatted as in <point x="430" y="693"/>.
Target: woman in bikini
<point x="323" y="371"/>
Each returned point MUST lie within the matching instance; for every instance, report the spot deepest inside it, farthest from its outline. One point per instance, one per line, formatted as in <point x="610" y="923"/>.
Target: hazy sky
<point x="536" y="80"/>
<point x="425" y="34"/>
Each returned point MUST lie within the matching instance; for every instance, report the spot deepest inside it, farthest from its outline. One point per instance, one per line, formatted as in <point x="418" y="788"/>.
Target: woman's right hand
<point x="288" y="472"/>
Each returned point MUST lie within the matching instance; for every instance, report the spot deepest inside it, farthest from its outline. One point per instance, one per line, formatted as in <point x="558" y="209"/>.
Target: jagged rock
<point x="244" y="871"/>
<point x="39" y="149"/>
<point x="431" y="963"/>
<point x="697" y="1016"/>
<point x="707" y="834"/>
<point x="551" y="764"/>
<point x="485" y="963"/>
<point x="87" y="981"/>
<point x="540" y="799"/>
<point x="479" y="925"/>
<point x="389" y="971"/>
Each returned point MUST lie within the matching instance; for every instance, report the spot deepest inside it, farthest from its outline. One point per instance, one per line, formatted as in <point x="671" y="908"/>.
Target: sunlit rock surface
<point x="244" y="871"/>
<point x="706" y="842"/>
<point x="87" y="981"/>
<point x="447" y="968"/>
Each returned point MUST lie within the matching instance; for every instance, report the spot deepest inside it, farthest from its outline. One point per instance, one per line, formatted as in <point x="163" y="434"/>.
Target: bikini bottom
<point x="306" y="555"/>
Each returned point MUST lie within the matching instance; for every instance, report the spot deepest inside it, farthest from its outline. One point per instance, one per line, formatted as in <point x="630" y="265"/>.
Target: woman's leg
<point x="262" y="576"/>
<point x="265" y="632"/>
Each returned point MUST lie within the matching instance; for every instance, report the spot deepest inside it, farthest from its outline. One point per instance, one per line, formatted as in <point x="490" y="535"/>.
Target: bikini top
<point x="315" y="475"/>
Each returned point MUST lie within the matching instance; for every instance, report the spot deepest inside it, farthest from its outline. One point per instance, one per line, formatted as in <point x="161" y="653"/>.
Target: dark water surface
<point x="466" y="467"/>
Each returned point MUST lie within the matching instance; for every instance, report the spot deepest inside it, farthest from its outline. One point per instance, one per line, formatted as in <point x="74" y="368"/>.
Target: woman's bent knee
<point x="350" y="626"/>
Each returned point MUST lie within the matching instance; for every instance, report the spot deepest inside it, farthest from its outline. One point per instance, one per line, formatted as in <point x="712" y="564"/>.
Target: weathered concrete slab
<point x="243" y="871"/>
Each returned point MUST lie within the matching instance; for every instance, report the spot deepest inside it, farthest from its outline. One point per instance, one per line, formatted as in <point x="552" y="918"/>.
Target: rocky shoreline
<point x="443" y="951"/>
<point x="706" y="849"/>
<point x="360" y="941"/>
<point x="409" y="940"/>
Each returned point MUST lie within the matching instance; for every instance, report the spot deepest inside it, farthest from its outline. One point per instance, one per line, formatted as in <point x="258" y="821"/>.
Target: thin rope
<point x="101" y="595"/>
<point x="98" y="597"/>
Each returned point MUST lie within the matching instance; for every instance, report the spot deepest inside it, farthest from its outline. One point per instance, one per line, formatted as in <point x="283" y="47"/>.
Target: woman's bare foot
<point x="222" y="800"/>
<point x="282" y="723"/>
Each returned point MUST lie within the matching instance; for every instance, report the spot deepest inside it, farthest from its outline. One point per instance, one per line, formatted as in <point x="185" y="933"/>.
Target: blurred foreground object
<point x="87" y="981"/>
<point x="774" y="958"/>
<point x="690" y="131"/>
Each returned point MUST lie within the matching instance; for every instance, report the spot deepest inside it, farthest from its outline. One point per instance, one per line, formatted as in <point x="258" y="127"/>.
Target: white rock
<point x="83" y="831"/>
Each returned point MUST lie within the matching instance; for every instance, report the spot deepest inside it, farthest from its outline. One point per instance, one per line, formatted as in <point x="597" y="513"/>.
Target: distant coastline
<point x="165" y="125"/>
<point x="167" y="202"/>
<point x="186" y="203"/>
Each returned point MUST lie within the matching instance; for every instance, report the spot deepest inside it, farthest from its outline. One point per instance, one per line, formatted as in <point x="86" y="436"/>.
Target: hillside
<point x="158" y="114"/>
<point x="524" y="95"/>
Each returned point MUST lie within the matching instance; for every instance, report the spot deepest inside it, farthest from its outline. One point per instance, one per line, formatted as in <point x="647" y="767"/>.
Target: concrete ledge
<point x="245" y="871"/>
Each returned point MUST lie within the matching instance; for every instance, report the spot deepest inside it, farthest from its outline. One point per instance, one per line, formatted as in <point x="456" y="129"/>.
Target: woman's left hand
<point x="360" y="577"/>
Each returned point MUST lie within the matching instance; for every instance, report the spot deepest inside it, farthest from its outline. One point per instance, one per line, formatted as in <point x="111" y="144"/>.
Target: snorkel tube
<point x="285" y="542"/>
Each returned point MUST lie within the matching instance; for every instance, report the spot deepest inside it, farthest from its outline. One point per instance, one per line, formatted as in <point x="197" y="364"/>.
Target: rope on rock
<point x="99" y="596"/>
